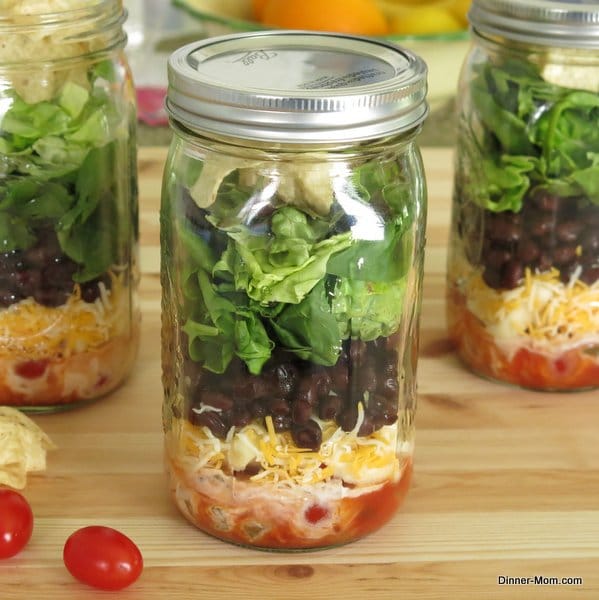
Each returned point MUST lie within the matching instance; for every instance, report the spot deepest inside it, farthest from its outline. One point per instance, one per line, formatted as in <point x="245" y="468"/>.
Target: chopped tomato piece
<point x="316" y="513"/>
<point x="347" y="519"/>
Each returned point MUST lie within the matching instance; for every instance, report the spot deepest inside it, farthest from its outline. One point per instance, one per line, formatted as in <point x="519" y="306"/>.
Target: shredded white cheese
<point x="342" y="455"/>
<point x="543" y="313"/>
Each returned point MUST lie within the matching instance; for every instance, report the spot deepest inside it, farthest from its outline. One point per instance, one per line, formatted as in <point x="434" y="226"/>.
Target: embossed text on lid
<point x="297" y="86"/>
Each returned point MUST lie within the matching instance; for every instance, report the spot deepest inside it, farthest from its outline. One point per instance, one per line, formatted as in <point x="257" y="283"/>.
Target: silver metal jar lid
<point x="296" y="86"/>
<point x="565" y="23"/>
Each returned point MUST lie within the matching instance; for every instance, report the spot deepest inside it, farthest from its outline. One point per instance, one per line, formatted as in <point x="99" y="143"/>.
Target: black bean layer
<point x="43" y="273"/>
<point x="294" y="392"/>
<point x="549" y="232"/>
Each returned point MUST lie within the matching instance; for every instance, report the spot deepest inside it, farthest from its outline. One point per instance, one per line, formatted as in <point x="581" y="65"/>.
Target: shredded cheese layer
<point x="543" y="312"/>
<point x="342" y="455"/>
<point x="34" y="331"/>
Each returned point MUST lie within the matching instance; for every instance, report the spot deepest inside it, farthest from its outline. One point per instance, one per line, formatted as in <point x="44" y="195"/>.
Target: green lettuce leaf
<point x="506" y="183"/>
<point x="289" y="223"/>
<point x="29" y="122"/>
<point x="302" y="281"/>
<point x="207" y="346"/>
<point x="263" y="273"/>
<point x="58" y="166"/>
<point x="73" y="99"/>
<point x="368" y="310"/>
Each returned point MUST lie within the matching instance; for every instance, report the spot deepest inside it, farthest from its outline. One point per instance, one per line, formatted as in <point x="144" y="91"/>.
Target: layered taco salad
<point x="290" y="326"/>
<point x="67" y="207"/>
<point x="523" y="271"/>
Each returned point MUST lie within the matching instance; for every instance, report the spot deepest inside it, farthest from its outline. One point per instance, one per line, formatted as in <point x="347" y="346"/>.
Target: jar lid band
<point x="564" y="23"/>
<point x="296" y="86"/>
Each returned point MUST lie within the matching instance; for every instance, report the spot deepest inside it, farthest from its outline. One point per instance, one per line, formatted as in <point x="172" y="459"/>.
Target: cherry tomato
<point x="102" y="557"/>
<point x="16" y="522"/>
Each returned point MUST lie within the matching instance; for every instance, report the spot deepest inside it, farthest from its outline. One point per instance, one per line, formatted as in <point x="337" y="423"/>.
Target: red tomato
<point x="102" y="557"/>
<point x="16" y="522"/>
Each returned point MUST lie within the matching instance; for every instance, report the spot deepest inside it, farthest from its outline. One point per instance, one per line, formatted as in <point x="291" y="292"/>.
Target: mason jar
<point x="69" y="321"/>
<point x="292" y="228"/>
<point x="523" y="267"/>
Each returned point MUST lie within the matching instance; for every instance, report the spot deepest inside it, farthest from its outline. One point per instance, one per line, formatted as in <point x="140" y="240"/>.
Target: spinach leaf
<point x="309" y="329"/>
<point x="14" y="233"/>
<point x="93" y="182"/>
<point x="366" y="260"/>
<point x="199" y="252"/>
<point x="87" y="231"/>
<point x="252" y="343"/>
<point x="588" y="181"/>
<point x="530" y="133"/>
<point x="93" y="243"/>
<point x="105" y="69"/>
<point x="225" y="329"/>
<point x="567" y="138"/>
<point x="50" y="201"/>
<point x="388" y="207"/>
<point x="26" y="203"/>
<point x="492" y="98"/>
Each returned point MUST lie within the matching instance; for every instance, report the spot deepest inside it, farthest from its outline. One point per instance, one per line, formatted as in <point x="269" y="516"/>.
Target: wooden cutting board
<point x="506" y="481"/>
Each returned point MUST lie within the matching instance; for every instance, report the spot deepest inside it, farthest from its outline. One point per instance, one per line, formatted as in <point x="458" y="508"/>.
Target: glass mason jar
<point x="523" y="267"/>
<point x="69" y="322"/>
<point x="292" y="229"/>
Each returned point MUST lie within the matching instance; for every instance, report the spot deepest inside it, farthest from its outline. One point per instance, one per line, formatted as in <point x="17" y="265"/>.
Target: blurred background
<point x="434" y="29"/>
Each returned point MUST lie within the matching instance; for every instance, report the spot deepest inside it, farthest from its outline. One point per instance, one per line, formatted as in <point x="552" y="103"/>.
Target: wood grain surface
<point x="506" y="481"/>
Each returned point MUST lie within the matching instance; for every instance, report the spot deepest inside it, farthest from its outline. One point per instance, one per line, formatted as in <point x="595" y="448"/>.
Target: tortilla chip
<point x="23" y="447"/>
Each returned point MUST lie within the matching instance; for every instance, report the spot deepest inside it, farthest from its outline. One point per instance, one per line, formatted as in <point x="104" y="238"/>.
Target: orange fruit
<point x="258" y="8"/>
<point x="361" y="17"/>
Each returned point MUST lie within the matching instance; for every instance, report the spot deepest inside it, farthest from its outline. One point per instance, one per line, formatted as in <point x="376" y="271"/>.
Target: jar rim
<point x="297" y="86"/>
<point x="544" y="22"/>
<point x="225" y="143"/>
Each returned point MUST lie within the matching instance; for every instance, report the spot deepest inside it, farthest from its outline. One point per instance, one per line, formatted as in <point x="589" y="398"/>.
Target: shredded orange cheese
<point x="343" y="455"/>
<point x="35" y="331"/>
<point x="545" y="311"/>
